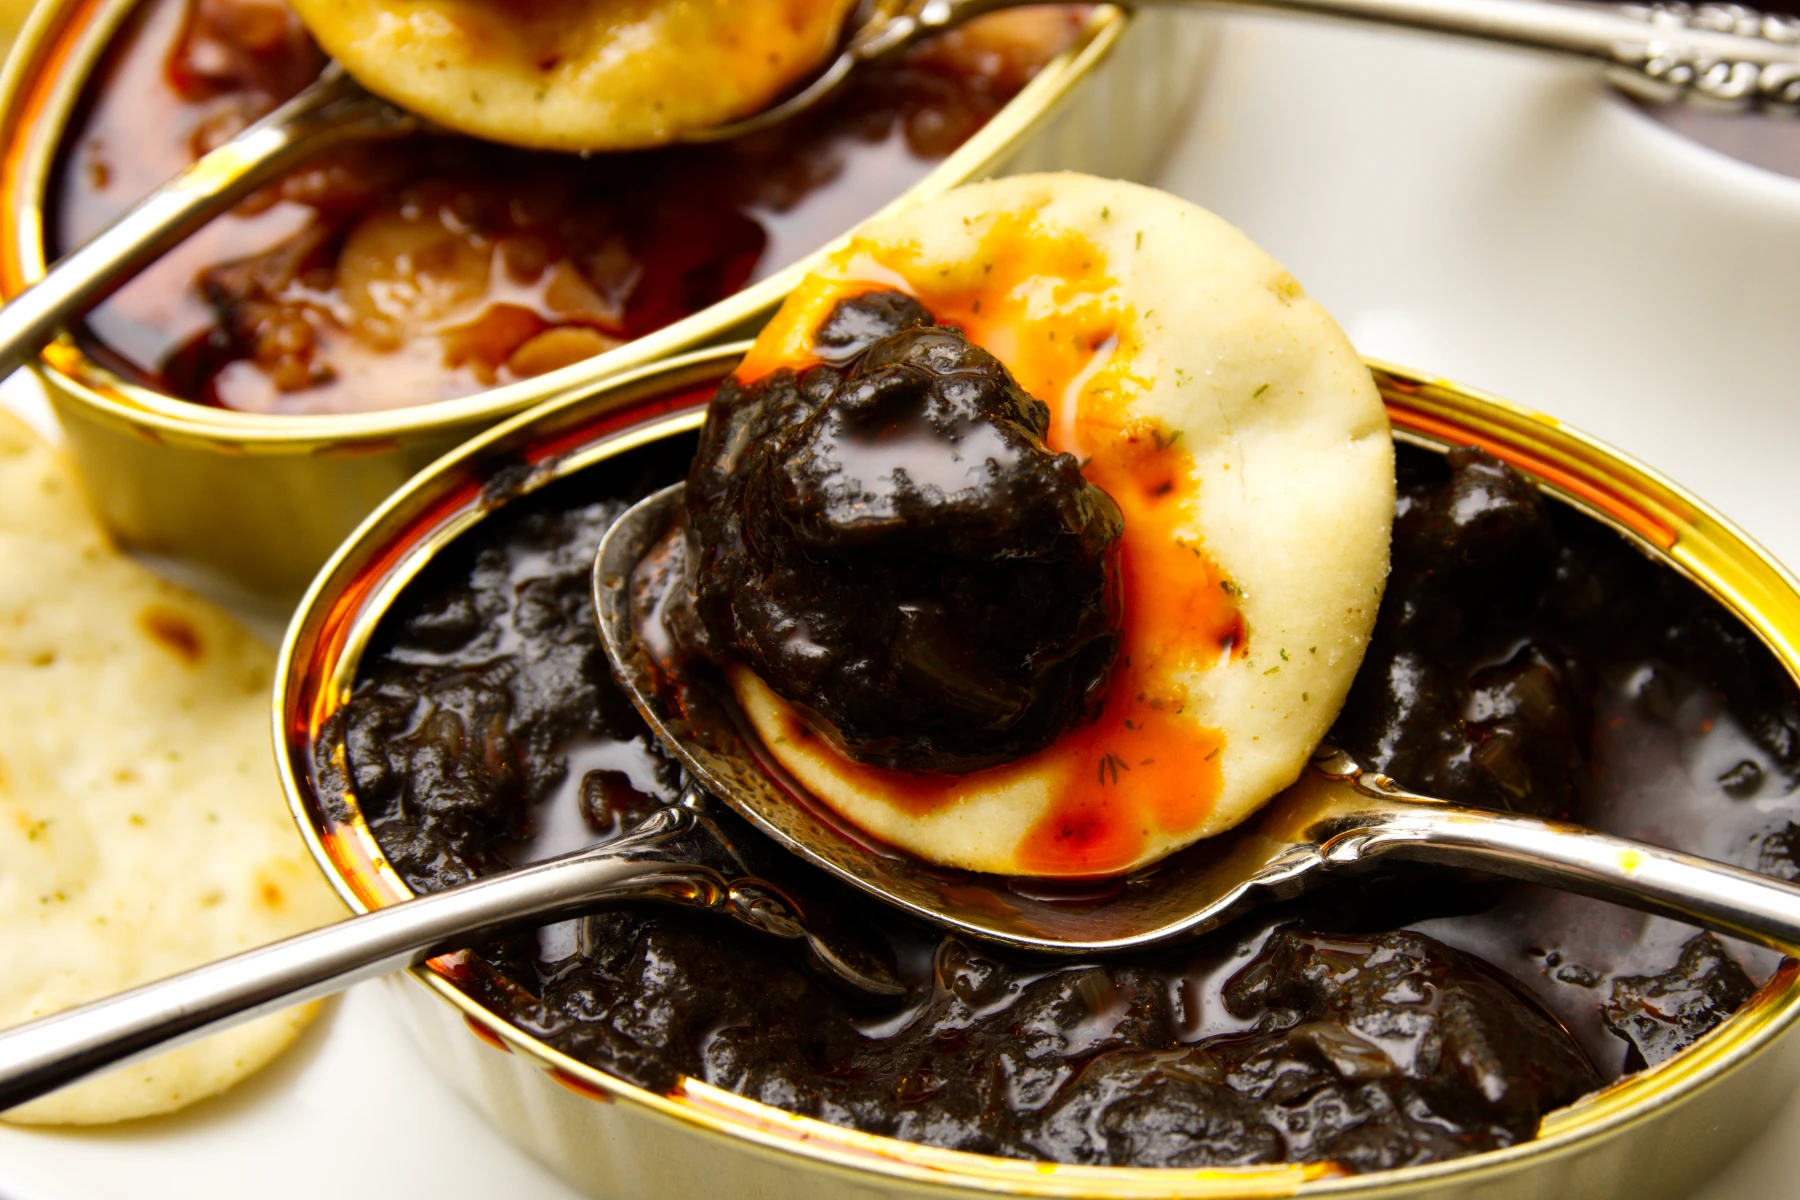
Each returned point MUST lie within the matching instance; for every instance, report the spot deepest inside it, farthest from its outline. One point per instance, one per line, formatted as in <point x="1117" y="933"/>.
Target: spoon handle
<point x="1663" y="51"/>
<point x="333" y="109"/>
<point x="1726" y="54"/>
<point x="1385" y="820"/>
<point x="48" y="1053"/>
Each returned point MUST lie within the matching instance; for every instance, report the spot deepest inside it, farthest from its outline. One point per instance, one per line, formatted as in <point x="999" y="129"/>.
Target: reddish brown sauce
<point x="404" y="273"/>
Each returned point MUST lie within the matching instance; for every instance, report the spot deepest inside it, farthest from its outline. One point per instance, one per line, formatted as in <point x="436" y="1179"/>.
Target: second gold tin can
<point x="1653" y="1135"/>
<point x="263" y="500"/>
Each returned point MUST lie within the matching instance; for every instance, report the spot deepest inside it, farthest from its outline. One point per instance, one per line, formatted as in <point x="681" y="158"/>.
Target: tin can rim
<point x="1663" y="518"/>
<point x="41" y="87"/>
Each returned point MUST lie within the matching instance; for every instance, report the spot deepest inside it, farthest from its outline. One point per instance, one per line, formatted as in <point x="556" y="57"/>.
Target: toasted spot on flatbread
<point x="175" y="632"/>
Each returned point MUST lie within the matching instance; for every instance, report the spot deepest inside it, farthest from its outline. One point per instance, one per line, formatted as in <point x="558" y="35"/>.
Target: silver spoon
<point x="1333" y="821"/>
<point x="685" y="854"/>
<point x="1724" y="53"/>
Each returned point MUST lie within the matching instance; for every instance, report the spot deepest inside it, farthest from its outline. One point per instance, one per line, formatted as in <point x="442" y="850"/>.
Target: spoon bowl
<point x="1335" y="820"/>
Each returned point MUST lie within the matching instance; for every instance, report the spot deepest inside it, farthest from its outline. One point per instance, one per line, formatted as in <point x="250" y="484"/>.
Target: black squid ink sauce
<point x="1526" y="657"/>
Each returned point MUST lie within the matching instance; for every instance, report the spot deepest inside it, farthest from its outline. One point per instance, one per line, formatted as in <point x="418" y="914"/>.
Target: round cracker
<point x="578" y="74"/>
<point x="1291" y="482"/>
<point x="142" y="829"/>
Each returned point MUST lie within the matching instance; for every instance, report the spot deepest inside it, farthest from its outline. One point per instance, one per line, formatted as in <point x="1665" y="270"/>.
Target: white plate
<point x="1491" y="217"/>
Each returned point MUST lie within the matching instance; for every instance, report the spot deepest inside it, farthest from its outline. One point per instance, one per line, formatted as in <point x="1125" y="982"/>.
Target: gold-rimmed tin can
<point x="263" y="499"/>
<point x="1652" y="1135"/>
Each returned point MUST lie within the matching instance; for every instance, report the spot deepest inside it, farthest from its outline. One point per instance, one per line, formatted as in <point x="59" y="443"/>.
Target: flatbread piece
<point x="142" y="830"/>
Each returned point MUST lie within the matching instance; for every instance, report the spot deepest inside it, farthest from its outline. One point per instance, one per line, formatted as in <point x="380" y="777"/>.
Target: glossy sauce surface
<point x="1355" y="1026"/>
<point x="402" y="273"/>
<point x="887" y="542"/>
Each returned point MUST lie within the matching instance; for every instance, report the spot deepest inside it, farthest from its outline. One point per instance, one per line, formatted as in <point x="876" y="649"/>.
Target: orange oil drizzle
<point x="1041" y="302"/>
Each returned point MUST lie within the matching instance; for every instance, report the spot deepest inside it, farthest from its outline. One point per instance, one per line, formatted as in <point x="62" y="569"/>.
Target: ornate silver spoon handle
<point x="43" y="1055"/>
<point x="333" y="109"/>
<point x="1725" y="53"/>
<point x="1661" y="52"/>
<point x="1385" y="820"/>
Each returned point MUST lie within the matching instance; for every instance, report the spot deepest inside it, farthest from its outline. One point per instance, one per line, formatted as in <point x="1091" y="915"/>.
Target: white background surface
<point x="1490" y="217"/>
